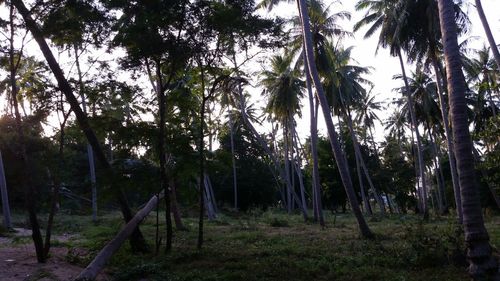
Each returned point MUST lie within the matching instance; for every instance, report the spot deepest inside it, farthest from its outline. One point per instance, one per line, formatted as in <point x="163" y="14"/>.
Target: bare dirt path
<point x="18" y="261"/>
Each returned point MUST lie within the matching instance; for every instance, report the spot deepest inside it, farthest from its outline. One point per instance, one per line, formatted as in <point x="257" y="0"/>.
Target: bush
<point x="431" y="247"/>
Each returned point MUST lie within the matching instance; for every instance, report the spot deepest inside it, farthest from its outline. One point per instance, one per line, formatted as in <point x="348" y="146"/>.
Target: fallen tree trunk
<point x="91" y="271"/>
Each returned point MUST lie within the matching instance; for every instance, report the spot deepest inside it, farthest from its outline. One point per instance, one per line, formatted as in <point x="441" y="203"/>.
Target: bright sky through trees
<point x="384" y="67"/>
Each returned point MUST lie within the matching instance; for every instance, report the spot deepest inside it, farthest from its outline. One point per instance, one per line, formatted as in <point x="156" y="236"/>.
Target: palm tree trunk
<point x="136" y="239"/>
<point x="483" y="265"/>
<point x="449" y="140"/>
<point x="297" y="161"/>
<point x="414" y="123"/>
<point x="316" y="184"/>
<point x="437" y="167"/>
<point x="288" y="181"/>
<point x="233" y="160"/>
<point x="362" y="163"/>
<point x="90" y="153"/>
<point x="337" y="151"/>
<point x="7" y="220"/>
<point x="487" y="30"/>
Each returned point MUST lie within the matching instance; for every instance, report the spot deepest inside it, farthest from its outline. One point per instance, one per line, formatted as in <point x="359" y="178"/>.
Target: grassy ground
<point x="275" y="246"/>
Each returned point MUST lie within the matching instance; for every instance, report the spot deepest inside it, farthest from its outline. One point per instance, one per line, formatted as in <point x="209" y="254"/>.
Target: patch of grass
<point x="273" y="246"/>
<point x="277" y="222"/>
<point x="41" y="274"/>
<point x="21" y="240"/>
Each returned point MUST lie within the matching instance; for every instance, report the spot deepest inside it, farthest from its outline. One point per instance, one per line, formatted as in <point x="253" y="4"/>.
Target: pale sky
<point x="384" y="66"/>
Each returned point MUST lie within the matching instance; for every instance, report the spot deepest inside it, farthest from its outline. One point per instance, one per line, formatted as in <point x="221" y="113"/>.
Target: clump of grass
<point x="152" y="271"/>
<point x="277" y="222"/>
<point x="20" y="240"/>
<point x="41" y="274"/>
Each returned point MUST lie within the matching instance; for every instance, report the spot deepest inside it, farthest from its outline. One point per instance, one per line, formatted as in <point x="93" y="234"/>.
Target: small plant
<point x="277" y="222"/>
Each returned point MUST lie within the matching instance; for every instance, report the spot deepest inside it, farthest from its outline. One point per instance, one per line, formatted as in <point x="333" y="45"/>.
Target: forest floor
<point x="268" y="246"/>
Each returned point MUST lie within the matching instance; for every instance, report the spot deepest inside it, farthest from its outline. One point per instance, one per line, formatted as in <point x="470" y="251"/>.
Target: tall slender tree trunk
<point x="449" y="139"/>
<point x="316" y="183"/>
<point x="27" y="182"/>
<point x="487" y="30"/>
<point x="90" y="153"/>
<point x="136" y="239"/>
<point x="437" y="167"/>
<point x="414" y="124"/>
<point x="337" y="151"/>
<point x="201" y="155"/>
<point x="233" y="160"/>
<point x="297" y="163"/>
<point x="160" y="89"/>
<point x="483" y="266"/>
<point x="289" y="184"/>
<point x="7" y="220"/>
<point x="314" y="151"/>
<point x="362" y="163"/>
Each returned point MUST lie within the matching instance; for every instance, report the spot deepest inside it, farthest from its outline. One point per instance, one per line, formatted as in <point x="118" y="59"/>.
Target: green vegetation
<point x="275" y="246"/>
<point x="189" y="118"/>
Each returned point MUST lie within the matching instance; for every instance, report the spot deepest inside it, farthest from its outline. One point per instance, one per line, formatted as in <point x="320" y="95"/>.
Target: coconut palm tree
<point x="309" y="59"/>
<point x="387" y="15"/>
<point x="397" y="123"/>
<point x="332" y="134"/>
<point x="487" y="30"/>
<point x="425" y="92"/>
<point x="344" y="86"/>
<point x="483" y="74"/>
<point x="367" y="115"/>
<point x="283" y="90"/>
<point x="423" y="44"/>
<point x="324" y="27"/>
<point x="483" y="266"/>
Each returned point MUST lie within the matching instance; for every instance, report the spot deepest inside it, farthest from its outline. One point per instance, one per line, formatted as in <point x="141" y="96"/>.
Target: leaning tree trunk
<point x="297" y="163"/>
<point x="137" y="240"/>
<point x="362" y="163"/>
<point x="98" y="263"/>
<point x="421" y="169"/>
<point x="483" y="265"/>
<point x="7" y="220"/>
<point x="487" y="30"/>
<point x="449" y="141"/>
<point x="90" y="153"/>
<point x="337" y="151"/>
